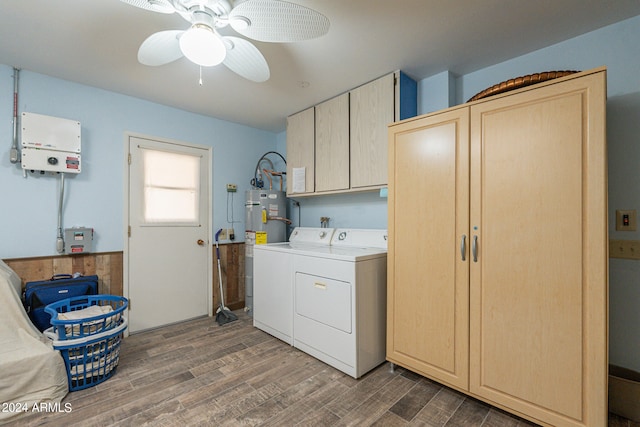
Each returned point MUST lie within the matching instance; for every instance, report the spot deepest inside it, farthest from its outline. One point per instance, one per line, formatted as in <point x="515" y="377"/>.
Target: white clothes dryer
<point x="334" y="294"/>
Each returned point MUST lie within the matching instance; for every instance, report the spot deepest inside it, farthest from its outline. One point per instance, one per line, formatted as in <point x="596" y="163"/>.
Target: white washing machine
<point x="334" y="293"/>
<point x="273" y="279"/>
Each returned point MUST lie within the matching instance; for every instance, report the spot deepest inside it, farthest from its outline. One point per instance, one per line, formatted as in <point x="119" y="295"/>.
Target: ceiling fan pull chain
<point x="200" y="75"/>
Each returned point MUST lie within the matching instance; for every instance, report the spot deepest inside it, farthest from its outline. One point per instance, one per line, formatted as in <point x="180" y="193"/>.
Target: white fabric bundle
<point x="90" y="326"/>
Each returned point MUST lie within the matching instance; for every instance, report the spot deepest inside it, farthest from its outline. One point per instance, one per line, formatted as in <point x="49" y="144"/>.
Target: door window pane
<point x="171" y="187"/>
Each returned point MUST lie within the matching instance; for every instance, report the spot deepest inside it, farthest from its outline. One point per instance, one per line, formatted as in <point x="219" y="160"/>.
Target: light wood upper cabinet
<point x="332" y="144"/>
<point x="301" y="148"/>
<point x="351" y="136"/>
<point x="371" y="111"/>
<point x="498" y="274"/>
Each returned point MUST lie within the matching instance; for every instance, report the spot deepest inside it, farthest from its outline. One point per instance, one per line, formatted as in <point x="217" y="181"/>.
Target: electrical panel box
<point x="50" y="161"/>
<point x="50" y="144"/>
<point x="78" y="240"/>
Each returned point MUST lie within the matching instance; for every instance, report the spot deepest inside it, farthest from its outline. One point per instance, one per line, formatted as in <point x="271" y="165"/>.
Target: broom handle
<point x="217" y="247"/>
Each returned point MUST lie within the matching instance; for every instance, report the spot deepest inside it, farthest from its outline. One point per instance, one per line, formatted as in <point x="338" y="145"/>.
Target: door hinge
<point x="129" y="231"/>
<point x="129" y="158"/>
<point x="128" y="303"/>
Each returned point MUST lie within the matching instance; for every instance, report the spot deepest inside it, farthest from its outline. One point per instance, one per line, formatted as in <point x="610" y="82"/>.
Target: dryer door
<point x="324" y="300"/>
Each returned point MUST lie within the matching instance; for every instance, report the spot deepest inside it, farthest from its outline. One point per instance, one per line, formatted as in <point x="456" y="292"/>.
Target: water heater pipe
<point x="255" y="179"/>
<point x="266" y="172"/>
<point x="14" y="155"/>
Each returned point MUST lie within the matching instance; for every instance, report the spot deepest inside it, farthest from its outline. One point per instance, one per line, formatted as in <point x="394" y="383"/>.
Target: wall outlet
<point x="232" y="188"/>
<point x="626" y="220"/>
<point x="227" y="234"/>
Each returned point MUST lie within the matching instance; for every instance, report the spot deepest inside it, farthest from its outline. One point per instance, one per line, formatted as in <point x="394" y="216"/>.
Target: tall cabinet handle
<point x="474" y="248"/>
<point x="463" y="247"/>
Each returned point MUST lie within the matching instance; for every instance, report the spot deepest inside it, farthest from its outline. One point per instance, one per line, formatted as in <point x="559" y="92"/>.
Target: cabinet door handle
<point x="463" y="247"/>
<point x="474" y="248"/>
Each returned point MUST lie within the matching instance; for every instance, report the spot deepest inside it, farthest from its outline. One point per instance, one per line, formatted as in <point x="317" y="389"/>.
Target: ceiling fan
<point x="262" y="20"/>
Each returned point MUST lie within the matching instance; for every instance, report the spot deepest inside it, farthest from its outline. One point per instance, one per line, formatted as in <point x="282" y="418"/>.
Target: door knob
<point x="200" y="242"/>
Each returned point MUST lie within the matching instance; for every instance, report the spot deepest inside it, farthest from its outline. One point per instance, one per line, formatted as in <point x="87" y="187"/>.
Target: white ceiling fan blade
<point x="245" y="59"/>
<point x="162" y="6"/>
<point x="277" y="21"/>
<point x="160" y="48"/>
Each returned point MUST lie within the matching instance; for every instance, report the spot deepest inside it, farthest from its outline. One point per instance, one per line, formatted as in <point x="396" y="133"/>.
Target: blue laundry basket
<point x="86" y="325"/>
<point x="90" y="346"/>
<point x="92" y="359"/>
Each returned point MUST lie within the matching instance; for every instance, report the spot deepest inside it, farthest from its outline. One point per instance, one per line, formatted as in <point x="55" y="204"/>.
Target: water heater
<point x="265" y="222"/>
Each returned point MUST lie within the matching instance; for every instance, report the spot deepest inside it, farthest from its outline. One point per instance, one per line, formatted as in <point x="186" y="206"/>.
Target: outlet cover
<point x="223" y="234"/>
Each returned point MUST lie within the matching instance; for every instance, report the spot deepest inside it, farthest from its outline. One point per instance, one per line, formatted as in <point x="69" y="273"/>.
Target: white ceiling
<point x="95" y="42"/>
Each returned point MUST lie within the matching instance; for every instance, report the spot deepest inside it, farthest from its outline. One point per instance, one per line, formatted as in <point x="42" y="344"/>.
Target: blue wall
<point x="95" y="197"/>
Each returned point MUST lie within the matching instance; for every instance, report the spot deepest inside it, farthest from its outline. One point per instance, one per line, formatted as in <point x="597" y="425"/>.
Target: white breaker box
<point x="50" y="144"/>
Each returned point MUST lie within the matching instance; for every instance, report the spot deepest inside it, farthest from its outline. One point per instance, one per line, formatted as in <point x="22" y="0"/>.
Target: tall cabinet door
<point x="427" y="297"/>
<point x="538" y="289"/>
<point x="301" y="150"/>
<point x="332" y="144"/>
<point x="371" y="110"/>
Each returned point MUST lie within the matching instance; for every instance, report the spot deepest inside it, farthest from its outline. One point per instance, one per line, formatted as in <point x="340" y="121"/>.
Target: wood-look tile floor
<point x="200" y="374"/>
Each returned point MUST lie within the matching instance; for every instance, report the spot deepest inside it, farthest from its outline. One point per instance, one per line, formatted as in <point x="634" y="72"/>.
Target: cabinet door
<point x="428" y="280"/>
<point x="332" y="144"/>
<point x="538" y="292"/>
<point x="300" y="149"/>
<point x="371" y="111"/>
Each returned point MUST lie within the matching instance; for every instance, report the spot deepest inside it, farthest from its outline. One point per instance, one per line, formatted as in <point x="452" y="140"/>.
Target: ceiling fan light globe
<point x="202" y="46"/>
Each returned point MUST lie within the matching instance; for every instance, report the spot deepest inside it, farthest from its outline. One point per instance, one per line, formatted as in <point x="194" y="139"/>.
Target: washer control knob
<point x="322" y="234"/>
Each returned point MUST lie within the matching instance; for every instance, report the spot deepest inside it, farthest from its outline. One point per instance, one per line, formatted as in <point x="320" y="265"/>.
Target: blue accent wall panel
<point x="408" y="97"/>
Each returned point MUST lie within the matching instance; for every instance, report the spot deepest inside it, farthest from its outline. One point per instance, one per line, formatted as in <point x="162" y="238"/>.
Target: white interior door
<point x="169" y="254"/>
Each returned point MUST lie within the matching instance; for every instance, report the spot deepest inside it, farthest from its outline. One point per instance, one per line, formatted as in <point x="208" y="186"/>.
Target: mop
<point x="223" y="314"/>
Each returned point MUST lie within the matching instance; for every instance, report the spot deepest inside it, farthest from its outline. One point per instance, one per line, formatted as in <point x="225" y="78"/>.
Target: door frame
<point x="125" y="213"/>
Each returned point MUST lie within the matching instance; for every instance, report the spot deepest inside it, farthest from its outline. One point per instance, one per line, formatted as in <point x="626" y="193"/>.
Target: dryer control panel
<point x="360" y="238"/>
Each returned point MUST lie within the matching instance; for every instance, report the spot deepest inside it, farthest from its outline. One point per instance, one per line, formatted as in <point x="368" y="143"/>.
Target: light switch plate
<point x="626" y="220"/>
<point x="627" y="249"/>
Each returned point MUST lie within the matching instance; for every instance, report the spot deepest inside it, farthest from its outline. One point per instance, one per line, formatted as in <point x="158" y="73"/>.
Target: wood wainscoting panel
<point x="232" y="265"/>
<point x="106" y="265"/>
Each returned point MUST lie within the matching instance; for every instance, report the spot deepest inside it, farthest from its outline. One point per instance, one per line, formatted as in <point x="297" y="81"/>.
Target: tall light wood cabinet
<point x="428" y="286"/>
<point x="498" y="276"/>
